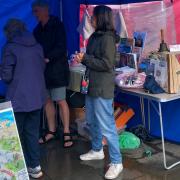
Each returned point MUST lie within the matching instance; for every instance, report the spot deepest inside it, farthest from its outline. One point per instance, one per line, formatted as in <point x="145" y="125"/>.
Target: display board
<point x="12" y="163"/>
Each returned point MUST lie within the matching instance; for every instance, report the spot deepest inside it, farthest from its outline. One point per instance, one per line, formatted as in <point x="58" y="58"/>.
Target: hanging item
<point x="120" y="25"/>
<point x="85" y="28"/>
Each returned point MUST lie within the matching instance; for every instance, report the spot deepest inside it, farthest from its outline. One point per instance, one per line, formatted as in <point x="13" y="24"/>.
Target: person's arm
<point x="59" y="49"/>
<point x="106" y="61"/>
<point x="7" y="66"/>
<point x="41" y="56"/>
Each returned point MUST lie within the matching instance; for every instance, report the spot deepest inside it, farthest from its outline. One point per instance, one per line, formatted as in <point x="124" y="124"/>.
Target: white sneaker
<point x="35" y="172"/>
<point x="113" y="171"/>
<point x="92" y="155"/>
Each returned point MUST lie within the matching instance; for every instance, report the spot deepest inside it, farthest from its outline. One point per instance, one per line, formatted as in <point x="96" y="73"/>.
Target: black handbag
<point x="152" y="86"/>
<point x="75" y="99"/>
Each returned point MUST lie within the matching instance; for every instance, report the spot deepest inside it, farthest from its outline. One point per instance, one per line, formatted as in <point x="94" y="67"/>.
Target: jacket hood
<point x="108" y="33"/>
<point x="25" y="39"/>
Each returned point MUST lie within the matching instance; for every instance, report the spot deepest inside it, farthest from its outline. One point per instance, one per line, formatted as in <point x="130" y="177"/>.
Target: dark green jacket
<point x="100" y="61"/>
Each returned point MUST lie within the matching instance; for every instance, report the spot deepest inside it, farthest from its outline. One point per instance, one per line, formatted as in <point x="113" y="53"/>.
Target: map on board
<point x="12" y="163"/>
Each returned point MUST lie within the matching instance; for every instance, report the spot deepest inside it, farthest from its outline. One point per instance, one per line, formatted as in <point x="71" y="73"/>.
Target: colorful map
<point x="12" y="164"/>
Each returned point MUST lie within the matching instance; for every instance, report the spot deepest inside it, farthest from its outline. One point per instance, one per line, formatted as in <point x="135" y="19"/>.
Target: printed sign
<point x="12" y="163"/>
<point x="174" y="48"/>
<point x="160" y="72"/>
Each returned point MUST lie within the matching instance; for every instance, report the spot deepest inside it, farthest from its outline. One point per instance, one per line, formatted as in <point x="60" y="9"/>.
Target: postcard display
<point x="131" y="49"/>
<point x="12" y="163"/>
<point x="166" y="70"/>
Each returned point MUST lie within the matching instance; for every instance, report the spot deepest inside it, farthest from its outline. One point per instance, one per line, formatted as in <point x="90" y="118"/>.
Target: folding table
<point x="152" y="98"/>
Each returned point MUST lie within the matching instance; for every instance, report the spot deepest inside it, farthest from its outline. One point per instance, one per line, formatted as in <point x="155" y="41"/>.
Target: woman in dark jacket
<point x="23" y="70"/>
<point x="100" y="61"/>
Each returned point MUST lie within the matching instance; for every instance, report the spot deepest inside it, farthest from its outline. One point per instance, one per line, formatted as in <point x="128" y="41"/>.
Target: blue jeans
<point x="28" y="128"/>
<point x="100" y="117"/>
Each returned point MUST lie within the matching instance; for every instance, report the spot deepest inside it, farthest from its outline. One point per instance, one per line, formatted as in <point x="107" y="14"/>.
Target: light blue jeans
<point x="100" y="117"/>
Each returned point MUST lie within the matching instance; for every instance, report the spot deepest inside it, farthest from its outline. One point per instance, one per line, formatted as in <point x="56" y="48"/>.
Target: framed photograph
<point x="140" y="39"/>
<point x="128" y="59"/>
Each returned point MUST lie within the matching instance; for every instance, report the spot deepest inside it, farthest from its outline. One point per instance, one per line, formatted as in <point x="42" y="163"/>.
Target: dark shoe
<point x="45" y="140"/>
<point x="67" y="140"/>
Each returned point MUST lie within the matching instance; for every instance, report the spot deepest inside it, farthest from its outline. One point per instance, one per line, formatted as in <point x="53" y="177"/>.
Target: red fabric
<point x="82" y="8"/>
<point x="176" y="7"/>
<point x="177" y="19"/>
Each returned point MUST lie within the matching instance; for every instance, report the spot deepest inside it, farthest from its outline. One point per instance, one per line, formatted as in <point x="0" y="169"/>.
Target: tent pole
<point x="61" y="10"/>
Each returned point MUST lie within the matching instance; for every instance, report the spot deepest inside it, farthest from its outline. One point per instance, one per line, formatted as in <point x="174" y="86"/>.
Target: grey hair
<point x="40" y="3"/>
<point x="13" y="28"/>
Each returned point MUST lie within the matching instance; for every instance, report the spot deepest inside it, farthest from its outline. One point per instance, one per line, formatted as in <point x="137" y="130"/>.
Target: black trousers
<point x="28" y="128"/>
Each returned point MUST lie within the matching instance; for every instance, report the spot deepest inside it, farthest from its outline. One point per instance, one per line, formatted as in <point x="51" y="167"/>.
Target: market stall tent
<point x="69" y="10"/>
<point x="22" y="9"/>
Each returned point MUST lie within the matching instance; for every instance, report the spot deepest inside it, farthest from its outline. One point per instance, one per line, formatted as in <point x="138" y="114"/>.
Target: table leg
<point x="163" y="145"/>
<point x="149" y="116"/>
<point x="142" y="111"/>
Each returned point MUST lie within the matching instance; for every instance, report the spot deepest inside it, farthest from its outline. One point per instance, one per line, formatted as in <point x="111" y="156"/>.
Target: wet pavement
<point x="64" y="164"/>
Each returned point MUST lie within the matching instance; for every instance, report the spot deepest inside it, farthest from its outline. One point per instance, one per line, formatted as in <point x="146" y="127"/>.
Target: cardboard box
<point x="76" y="113"/>
<point x="173" y="73"/>
<point x="166" y="70"/>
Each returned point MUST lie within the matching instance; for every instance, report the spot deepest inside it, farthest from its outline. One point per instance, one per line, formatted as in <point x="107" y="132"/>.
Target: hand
<point x="46" y="60"/>
<point x="79" y="57"/>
